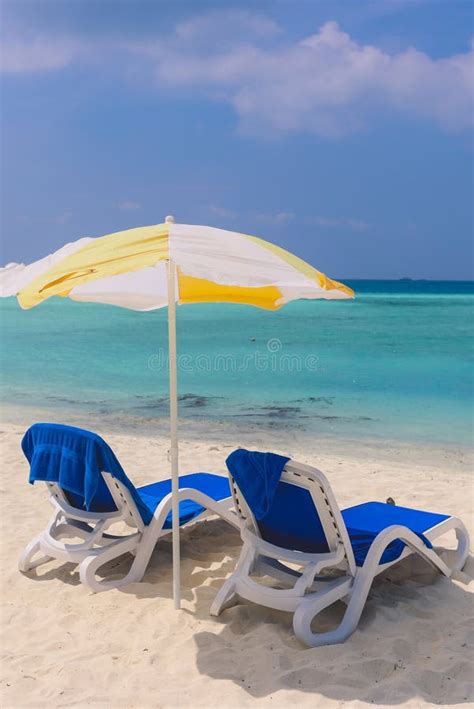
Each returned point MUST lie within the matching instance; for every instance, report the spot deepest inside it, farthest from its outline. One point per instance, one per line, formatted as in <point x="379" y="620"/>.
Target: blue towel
<point x="74" y="459"/>
<point x="257" y="475"/>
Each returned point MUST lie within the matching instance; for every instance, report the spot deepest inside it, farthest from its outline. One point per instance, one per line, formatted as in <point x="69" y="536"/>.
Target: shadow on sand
<point x="406" y="648"/>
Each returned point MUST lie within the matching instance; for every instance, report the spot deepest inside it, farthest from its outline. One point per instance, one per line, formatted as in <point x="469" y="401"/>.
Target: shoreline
<point x="250" y="434"/>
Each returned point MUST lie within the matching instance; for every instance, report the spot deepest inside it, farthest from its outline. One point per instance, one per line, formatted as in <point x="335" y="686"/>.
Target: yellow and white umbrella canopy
<point x="128" y="268"/>
<point x="156" y="266"/>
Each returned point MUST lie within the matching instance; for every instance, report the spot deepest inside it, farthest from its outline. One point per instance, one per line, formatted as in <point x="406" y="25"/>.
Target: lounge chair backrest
<point x="124" y="501"/>
<point x="82" y="472"/>
<point x="126" y="510"/>
<point x="304" y="515"/>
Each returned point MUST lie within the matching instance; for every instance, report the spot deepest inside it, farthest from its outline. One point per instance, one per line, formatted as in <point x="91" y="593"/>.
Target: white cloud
<point x="62" y="218"/>
<point x="281" y="218"/>
<point x="226" y="27"/>
<point x="268" y="218"/>
<point x="276" y="219"/>
<point x="20" y="55"/>
<point x="217" y="211"/>
<point x="326" y="83"/>
<point x="129" y="205"/>
<point x="339" y="223"/>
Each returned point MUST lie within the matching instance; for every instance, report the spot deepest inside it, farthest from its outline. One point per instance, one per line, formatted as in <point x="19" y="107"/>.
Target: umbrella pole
<point x="174" y="431"/>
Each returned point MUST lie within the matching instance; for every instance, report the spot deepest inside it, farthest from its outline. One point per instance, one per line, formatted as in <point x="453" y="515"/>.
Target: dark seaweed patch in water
<point x="271" y="412"/>
<point x="188" y="401"/>
<point x="316" y="400"/>
<point x="274" y="413"/>
<point x="76" y="402"/>
<point x="194" y="401"/>
<point x="151" y="403"/>
<point x="281" y="410"/>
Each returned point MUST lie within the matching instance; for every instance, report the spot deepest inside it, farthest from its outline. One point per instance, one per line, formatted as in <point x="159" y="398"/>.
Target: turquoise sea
<point x="396" y="363"/>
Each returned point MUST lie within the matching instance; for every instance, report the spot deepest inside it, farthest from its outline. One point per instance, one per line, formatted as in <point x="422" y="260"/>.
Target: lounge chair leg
<point x="309" y="609"/>
<point x="227" y="595"/>
<point x="91" y="564"/>
<point x="25" y="562"/>
<point x="225" y="598"/>
<point x="462" y="551"/>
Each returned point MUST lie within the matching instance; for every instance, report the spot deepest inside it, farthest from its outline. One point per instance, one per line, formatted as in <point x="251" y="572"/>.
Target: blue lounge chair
<point x="289" y="515"/>
<point x="90" y="491"/>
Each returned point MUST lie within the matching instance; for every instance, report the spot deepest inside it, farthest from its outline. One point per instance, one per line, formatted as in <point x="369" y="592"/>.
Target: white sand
<point x="63" y="646"/>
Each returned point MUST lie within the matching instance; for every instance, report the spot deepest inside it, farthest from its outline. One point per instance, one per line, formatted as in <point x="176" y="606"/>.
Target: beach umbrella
<point x="157" y="266"/>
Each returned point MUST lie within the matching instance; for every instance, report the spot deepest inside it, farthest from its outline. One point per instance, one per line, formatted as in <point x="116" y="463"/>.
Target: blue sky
<point x="341" y="131"/>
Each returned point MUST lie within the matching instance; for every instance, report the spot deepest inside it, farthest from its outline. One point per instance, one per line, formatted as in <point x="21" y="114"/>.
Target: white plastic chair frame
<point x="309" y="593"/>
<point x="98" y="547"/>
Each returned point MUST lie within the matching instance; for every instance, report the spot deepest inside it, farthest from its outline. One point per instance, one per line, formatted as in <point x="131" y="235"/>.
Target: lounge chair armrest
<point x="190" y="493"/>
<point x="83" y="515"/>
<point x="412" y="540"/>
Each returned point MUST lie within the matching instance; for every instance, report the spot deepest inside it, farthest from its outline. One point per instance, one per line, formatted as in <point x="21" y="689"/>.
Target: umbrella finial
<point x="169" y="219"/>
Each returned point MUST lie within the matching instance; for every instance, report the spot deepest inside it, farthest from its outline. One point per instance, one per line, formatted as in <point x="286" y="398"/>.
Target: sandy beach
<point x="64" y="646"/>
